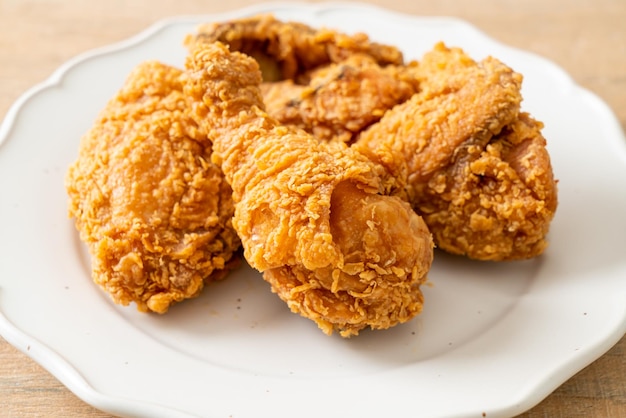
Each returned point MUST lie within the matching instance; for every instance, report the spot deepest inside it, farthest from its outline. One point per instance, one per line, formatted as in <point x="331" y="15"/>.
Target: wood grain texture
<point x="585" y="37"/>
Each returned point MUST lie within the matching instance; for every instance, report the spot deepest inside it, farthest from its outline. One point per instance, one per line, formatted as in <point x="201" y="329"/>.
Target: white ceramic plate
<point x="494" y="339"/>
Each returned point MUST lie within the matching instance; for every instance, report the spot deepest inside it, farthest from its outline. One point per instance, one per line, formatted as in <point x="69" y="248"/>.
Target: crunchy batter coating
<point x="152" y="208"/>
<point x="473" y="166"/>
<point x="329" y="83"/>
<point x="340" y="99"/>
<point x="309" y="213"/>
<point x="287" y="50"/>
<point x="495" y="202"/>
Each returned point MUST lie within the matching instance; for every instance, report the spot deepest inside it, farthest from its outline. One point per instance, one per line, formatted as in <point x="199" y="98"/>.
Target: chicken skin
<point x="494" y="203"/>
<point x="472" y="164"/>
<point x="153" y="210"/>
<point x="288" y="50"/>
<point x="338" y="87"/>
<point x="329" y="83"/>
<point x="341" y="99"/>
<point x="311" y="215"/>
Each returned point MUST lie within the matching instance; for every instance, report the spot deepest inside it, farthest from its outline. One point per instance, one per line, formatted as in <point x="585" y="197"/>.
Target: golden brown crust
<point x="496" y="202"/>
<point x="387" y="252"/>
<point x="309" y="213"/>
<point x="474" y="166"/>
<point x="290" y="49"/>
<point x="152" y="208"/>
<point x="459" y="103"/>
<point x="340" y="99"/>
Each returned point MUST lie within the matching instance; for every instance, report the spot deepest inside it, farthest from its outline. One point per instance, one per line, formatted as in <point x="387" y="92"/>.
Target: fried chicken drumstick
<point x="310" y="214"/>
<point x="474" y="166"/>
<point x="152" y="208"/>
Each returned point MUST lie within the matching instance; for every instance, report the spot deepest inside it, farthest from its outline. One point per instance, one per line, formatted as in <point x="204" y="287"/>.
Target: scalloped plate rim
<point x="72" y="378"/>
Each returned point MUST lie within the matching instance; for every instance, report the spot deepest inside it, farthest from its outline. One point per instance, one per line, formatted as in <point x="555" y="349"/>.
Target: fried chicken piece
<point x="475" y="168"/>
<point x="494" y="202"/>
<point x="310" y="214"/>
<point x="152" y="208"/>
<point x="341" y="99"/>
<point x="329" y="83"/>
<point x="287" y="50"/>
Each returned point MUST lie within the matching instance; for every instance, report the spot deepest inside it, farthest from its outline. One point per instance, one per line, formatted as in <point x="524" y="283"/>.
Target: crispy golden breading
<point x="326" y="82"/>
<point x="287" y="50"/>
<point x="340" y="99"/>
<point x="494" y="202"/>
<point x="459" y="103"/>
<point x="152" y="208"/>
<point x="310" y="214"/>
<point x="336" y="167"/>
<point x="474" y="166"/>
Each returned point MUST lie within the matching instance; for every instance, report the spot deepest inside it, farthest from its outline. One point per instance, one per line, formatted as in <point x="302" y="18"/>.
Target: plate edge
<point x="40" y="352"/>
<point x="67" y="374"/>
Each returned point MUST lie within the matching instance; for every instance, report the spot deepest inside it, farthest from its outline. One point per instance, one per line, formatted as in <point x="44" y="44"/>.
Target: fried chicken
<point x="474" y="167"/>
<point x="311" y="215"/>
<point x="288" y="50"/>
<point x="495" y="202"/>
<point x="152" y="208"/>
<point x="329" y="83"/>
<point x="340" y="99"/>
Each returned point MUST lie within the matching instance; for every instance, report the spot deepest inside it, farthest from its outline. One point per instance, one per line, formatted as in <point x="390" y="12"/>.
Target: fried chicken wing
<point x="310" y="214"/>
<point x="340" y="99"/>
<point x="474" y="167"/>
<point x="152" y="208"/>
<point x="287" y="50"/>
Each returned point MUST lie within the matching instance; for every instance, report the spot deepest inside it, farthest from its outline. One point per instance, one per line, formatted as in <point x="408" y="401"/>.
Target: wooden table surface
<point x="585" y="37"/>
